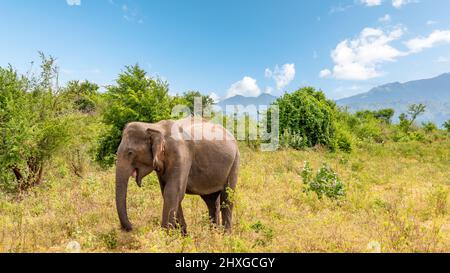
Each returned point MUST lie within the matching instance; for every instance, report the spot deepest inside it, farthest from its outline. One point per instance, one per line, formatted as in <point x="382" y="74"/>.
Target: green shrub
<point x="344" y="139"/>
<point x="188" y="99"/>
<point x="308" y="117"/>
<point x="135" y="98"/>
<point x="265" y="232"/>
<point x="446" y="125"/>
<point x="363" y="125"/>
<point x="429" y="127"/>
<point x="110" y="239"/>
<point x="34" y="124"/>
<point x="326" y="182"/>
<point x="84" y="96"/>
<point x="384" y="115"/>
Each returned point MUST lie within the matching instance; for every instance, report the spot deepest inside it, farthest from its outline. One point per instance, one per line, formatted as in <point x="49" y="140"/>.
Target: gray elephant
<point x="190" y="156"/>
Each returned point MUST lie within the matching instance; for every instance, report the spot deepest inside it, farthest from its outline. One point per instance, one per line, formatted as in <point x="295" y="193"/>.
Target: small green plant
<point x="110" y="239"/>
<point x="326" y="182"/>
<point x="266" y="233"/>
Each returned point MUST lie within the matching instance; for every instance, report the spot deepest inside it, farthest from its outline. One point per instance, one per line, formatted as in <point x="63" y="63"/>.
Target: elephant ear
<point x="157" y="146"/>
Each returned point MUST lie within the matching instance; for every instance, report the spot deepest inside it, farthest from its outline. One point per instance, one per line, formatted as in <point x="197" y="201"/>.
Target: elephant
<point x="190" y="156"/>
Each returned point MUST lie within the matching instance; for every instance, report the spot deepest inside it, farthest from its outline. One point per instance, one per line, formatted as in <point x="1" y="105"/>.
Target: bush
<point x="84" y="96"/>
<point x="384" y="115"/>
<point x="344" y="140"/>
<point x="326" y="182"/>
<point x="34" y="124"/>
<point x="292" y="140"/>
<point x="429" y="127"/>
<point x="446" y="125"/>
<point x="366" y="126"/>
<point x="308" y="117"/>
<point x="188" y="99"/>
<point x="135" y="98"/>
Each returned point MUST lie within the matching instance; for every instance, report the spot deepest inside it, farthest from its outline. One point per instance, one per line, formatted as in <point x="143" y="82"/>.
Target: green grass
<point x="397" y="196"/>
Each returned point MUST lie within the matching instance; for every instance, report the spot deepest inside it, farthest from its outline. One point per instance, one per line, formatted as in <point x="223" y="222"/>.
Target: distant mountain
<point x="245" y="104"/>
<point x="263" y="99"/>
<point x="434" y="93"/>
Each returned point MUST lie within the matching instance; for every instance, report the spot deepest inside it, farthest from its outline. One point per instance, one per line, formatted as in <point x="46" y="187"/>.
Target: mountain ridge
<point x="433" y="92"/>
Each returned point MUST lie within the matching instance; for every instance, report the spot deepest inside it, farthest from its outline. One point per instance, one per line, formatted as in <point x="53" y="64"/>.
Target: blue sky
<point x="233" y="47"/>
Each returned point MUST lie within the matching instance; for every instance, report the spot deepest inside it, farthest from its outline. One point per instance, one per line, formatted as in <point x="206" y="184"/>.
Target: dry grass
<point x="397" y="197"/>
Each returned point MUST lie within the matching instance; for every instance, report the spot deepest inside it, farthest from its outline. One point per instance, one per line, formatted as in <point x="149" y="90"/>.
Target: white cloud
<point x="214" y="97"/>
<point x="361" y="58"/>
<point x="340" y="8"/>
<point x="431" y="22"/>
<point x="400" y="3"/>
<point x="246" y="87"/>
<point x="282" y="76"/>
<point x="73" y="2"/>
<point x="436" y="37"/>
<point x="358" y="59"/>
<point x="386" y="18"/>
<point x="371" y="3"/>
<point x="325" y="73"/>
<point x="395" y="3"/>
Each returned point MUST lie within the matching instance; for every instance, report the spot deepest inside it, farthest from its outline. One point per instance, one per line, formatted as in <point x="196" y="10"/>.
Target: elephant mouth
<point x="135" y="174"/>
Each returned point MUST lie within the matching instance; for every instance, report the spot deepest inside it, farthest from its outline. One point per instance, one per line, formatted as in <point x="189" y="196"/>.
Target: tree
<point x="429" y="127"/>
<point x="384" y="115"/>
<point x="34" y="122"/>
<point x="188" y="99"/>
<point x="414" y="111"/>
<point x="136" y="97"/>
<point x="307" y="114"/>
<point x="447" y="125"/>
<point x="407" y="120"/>
<point x="84" y="95"/>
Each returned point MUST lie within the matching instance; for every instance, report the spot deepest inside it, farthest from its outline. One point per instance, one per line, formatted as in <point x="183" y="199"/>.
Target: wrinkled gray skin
<point x="199" y="167"/>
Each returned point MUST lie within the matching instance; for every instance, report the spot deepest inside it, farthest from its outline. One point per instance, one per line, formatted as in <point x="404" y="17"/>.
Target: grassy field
<point x="397" y="201"/>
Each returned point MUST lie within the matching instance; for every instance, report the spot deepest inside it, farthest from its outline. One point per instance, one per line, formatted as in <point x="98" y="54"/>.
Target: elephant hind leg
<point x="226" y="201"/>
<point x="213" y="203"/>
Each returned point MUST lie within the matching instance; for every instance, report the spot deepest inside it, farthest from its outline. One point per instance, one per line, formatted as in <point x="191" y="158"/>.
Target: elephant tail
<point x="234" y="173"/>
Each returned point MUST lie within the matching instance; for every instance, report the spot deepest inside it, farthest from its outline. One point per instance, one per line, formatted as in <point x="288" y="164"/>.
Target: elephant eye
<point x="130" y="152"/>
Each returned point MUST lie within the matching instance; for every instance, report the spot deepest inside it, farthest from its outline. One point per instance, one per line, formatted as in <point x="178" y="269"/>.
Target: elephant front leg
<point x="172" y="213"/>
<point x="181" y="222"/>
<point x="170" y="210"/>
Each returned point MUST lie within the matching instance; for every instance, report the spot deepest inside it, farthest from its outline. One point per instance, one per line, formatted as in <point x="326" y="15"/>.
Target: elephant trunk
<point x="122" y="177"/>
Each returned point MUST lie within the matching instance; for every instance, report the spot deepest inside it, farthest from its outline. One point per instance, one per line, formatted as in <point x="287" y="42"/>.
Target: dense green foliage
<point x="84" y="95"/>
<point x="188" y="99"/>
<point x="447" y="125"/>
<point x="37" y="121"/>
<point x="382" y="115"/>
<point x="136" y="97"/>
<point x="306" y="118"/>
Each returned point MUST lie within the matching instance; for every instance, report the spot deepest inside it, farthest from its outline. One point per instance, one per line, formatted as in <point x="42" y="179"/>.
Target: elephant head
<point x="141" y="151"/>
